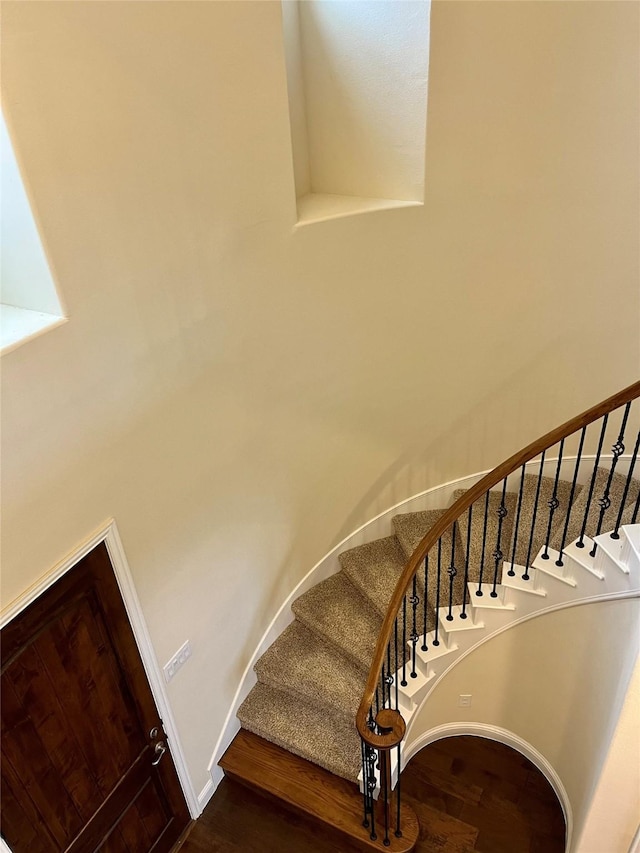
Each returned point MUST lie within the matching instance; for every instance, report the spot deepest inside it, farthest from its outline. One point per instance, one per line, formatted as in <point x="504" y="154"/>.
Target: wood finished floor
<point x="471" y="796"/>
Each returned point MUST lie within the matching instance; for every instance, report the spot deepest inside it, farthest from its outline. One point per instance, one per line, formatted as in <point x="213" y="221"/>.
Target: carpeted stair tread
<point x="477" y="531"/>
<point x="579" y="507"/>
<point x="374" y="569"/>
<point x="330" y="740"/>
<point x="542" y="511"/>
<point x="337" y="612"/>
<point x="411" y="528"/>
<point x="301" y="663"/>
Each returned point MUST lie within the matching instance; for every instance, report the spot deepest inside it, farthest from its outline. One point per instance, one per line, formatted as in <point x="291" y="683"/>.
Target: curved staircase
<point x="549" y="554"/>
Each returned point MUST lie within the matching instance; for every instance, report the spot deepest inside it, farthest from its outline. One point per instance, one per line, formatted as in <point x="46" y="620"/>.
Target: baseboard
<point x="206" y="793"/>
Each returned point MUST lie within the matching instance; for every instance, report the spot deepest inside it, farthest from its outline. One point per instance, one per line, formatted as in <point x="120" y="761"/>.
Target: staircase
<point x="551" y="532"/>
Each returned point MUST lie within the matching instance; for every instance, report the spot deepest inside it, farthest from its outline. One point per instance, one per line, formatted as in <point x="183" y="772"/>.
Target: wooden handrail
<point x="450" y="516"/>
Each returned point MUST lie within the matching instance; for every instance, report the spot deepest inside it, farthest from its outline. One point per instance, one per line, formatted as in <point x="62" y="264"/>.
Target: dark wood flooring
<point x="471" y="796"/>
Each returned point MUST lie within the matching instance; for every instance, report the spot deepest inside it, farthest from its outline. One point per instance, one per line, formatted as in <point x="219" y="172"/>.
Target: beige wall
<point x="558" y="682"/>
<point x="613" y="817"/>
<point x="240" y="395"/>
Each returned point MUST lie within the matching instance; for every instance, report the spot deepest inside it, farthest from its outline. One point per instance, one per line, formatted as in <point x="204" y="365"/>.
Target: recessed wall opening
<point x="29" y="300"/>
<point x="357" y="73"/>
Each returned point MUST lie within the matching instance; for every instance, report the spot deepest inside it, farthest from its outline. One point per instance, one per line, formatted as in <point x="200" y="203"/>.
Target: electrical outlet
<point x="464" y="700"/>
<point x="181" y="657"/>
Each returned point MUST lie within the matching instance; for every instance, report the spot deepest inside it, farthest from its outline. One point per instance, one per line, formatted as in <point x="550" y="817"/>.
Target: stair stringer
<point x="587" y="588"/>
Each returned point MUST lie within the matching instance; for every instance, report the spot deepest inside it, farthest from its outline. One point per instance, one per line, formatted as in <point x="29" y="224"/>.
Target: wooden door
<point x="84" y="766"/>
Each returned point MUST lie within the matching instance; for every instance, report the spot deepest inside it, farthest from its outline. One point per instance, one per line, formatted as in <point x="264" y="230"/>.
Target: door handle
<point x="159" y="750"/>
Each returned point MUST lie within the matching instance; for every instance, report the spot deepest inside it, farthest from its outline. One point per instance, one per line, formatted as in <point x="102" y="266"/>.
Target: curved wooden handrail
<point x="449" y="517"/>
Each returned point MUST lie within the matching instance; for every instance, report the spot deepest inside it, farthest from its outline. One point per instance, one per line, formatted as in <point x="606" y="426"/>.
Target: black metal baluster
<point x="617" y="450"/>
<point x="424" y="608"/>
<point x="377" y="700"/>
<point x="553" y="504"/>
<point x="484" y="542"/>
<point x="385" y="770"/>
<point x="414" y="625"/>
<point x="559" y="561"/>
<point x="632" y="465"/>
<point x="511" y="572"/>
<point x="389" y="676"/>
<point x="436" y="641"/>
<point x="365" y="784"/>
<point x="580" y="542"/>
<point x="497" y="554"/>
<point x="383" y="685"/>
<point x="398" y="825"/>
<point x="525" y="576"/>
<point x="404" y="641"/>
<point x="371" y="754"/>
<point x="395" y="671"/>
<point x="463" y="614"/>
<point x="452" y="572"/>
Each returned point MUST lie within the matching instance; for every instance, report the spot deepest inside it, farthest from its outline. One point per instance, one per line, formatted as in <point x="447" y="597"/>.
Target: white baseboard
<point x="206" y="793"/>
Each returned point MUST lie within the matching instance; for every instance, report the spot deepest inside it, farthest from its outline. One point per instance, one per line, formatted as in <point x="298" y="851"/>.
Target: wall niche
<point x="357" y="75"/>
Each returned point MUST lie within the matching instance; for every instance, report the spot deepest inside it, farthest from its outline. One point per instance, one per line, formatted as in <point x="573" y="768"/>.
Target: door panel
<point x="77" y="713"/>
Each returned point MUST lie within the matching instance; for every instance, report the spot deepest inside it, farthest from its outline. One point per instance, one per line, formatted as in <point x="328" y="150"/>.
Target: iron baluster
<point x="525" y="576"/>
<point x="395" y="671"/>
<point x="511" y="572"/>
<point x="424" y="608"/>
<point x="632" y="465"/>
<point x="484" y="542"/>
<point x="617" y="450"/>
<point x="385" y="771"/>
<point x="463" y="614"/>
<point x="414" y="626"/>
<point x="371" y="756"/>
<point x="554" y="503"/>
<point x="559" y="561"/>
<point x="452" y="572"/>
<point x="580" y="542"/>
<point x="497" y="554"/>
<point x="389" y="676"/>
<point x="365" y="784"/>
<point x="436" y="641"/>
<point x="404" y="641"/>
<point x="398" y="824"/>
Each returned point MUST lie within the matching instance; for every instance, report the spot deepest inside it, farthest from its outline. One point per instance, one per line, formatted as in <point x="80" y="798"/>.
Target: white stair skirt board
<point x="516" y="581"/>
<point x="486" y="601"/>
<point x="611" y="548"/>
<point x="458" y="624"/>
<point x="631" y="549"/>
<point x="434" y="652"/>
<point x="581" y="557"/>
<point x="416" y="687"/>
<point x="549" y="567"/>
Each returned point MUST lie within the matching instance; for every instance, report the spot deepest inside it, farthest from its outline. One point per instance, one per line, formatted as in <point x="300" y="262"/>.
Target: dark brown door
<point x="84" y="759"/>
